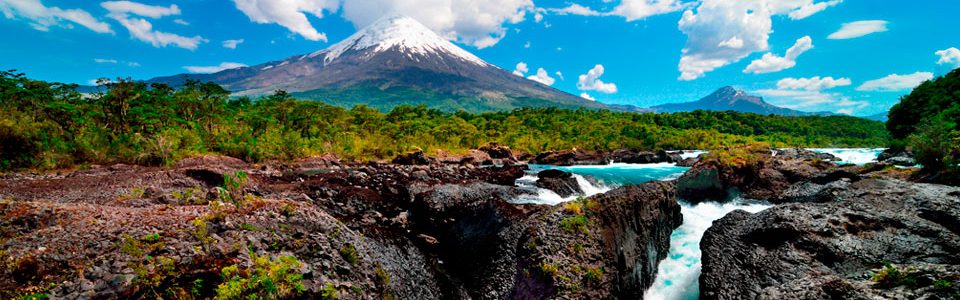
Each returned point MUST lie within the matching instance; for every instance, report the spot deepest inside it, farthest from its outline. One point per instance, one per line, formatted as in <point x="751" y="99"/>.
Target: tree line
<point x="53" y="125"/>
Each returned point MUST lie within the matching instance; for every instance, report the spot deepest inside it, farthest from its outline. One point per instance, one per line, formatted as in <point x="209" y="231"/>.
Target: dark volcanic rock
<point x="760" y="175"/>
<point x="831" y="249"/>
<point x="412" y="158"/>
<point x="569" y="158"/>
<point x="689" y="162"/>
<point x="643" y="157"/>
<point x="561" y="182"/>
<point x="497" y="151"/>
<point x="804" y="154"/>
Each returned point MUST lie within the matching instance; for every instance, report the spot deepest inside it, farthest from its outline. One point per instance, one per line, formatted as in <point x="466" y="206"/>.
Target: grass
<point x="266" y="279"/>
<point x="349" y="253"/>
<point x="548" y="269"/>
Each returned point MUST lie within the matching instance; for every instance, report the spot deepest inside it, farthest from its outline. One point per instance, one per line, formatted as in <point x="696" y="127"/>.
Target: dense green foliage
<point x="51" y="125"/>
<point x="928" y="122"/>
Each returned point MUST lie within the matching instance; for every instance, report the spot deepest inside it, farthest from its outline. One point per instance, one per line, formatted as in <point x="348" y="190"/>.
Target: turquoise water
<point x="622" y="174"/>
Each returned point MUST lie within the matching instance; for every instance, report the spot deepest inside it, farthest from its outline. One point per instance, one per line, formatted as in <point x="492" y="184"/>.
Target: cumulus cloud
<point x="214" y="69"/>
<point x="634" y="10"/>
<point x="42" y="17"/>
<point x="858" y="29"/>
<point x="587" y="96"/>
<point x="721" y="32"/>
<point x="591" y="81"/>
<point x="479" y="23"/>
<point x="232" y="44"/>
<point x="770" y="63"/>
<point x="125" y="13"/>
<point x="521" y="69"/>
<point x="815" y="83"/>
<point x="291" y="14"/>
<point x="949" y="56"/>
<point x="895" y="82"/>
<point x="542" y="77"/>
<point x="812" y="100"/>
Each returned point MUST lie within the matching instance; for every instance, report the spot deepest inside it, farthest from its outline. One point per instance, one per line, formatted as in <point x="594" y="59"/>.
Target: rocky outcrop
<point x="758" y="174"/>
<point x="569" y="158"/>
<point x="367" y="230"/>
<point x="643" y="157"/>
<point x="412" y="158"/>
<point x="497" y="151"/>
<point x="834" y="247"/>
<point x="561" y="182"/>
<point x="903" y="158"/>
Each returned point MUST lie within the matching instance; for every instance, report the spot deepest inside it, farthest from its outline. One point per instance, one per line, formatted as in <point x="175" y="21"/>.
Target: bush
<point x="889" y="277"/>
<point x="349" y="253"/>
<point x="266" y="279"/>
<point x="575" y="224"/>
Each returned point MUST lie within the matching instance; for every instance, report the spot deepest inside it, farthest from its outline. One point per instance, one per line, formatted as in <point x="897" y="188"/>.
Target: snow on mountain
<point x="405" y="34"/>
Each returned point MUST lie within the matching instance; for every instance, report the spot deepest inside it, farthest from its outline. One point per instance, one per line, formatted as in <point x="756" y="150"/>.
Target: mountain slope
<point x="729" y="98"/>
<point x="394" y="61"/>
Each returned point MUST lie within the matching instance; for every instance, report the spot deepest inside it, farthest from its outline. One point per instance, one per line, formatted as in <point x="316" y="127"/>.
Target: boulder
<point x="688" y="162"/>
<point x="569" y="158"/>
<point x="901" y="161"/>
<point x="412" y="158"/>
<point x="804" y="154"/>
<point x="832" y="248"/>
<point x="643" y="157"/>
<point x="561" y="182"/>
<point x="496" y="150"/>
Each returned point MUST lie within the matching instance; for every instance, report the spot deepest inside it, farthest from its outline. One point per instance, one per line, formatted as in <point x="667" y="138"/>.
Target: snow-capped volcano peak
<point x="402" y="33"/>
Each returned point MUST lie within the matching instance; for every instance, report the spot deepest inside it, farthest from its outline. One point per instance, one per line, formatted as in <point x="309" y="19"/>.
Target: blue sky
<point x="851" y="56"/>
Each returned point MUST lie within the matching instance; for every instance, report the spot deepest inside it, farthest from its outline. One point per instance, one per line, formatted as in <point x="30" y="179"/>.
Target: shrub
<point x="349" y="253"/>
<point x="575" y="224"/>
<point x="548" y="269"/>
<point x="266" y="279"/>
<point x="889" y="276"/>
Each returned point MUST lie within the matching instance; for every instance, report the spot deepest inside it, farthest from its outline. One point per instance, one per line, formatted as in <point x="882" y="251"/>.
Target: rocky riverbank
<point x="322" y="228"/>
<point x="839" y="232"/>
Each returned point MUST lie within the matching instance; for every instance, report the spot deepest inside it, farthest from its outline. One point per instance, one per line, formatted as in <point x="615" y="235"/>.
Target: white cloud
<point x="479" y="23"/>
<point x="527" y="45"/>
<point x="559" y="75"/>
<point x="232" y="44"/>
<point x="810" y="8"/>
<point x="521" y="69"/>
<point x="127" y="7"/>
<point x="587" y="96"/>
<point x="949" y="56"/>
<point x="141" y="29"/>
<point x="721" y="32"/>
<point x="895" y="82"/>
<point x="591" y="81"/>
<point x="181" y="22"/>
<point x="634" y="10"/>
<point x="770" y="63"/>
<point x="812" y="100"/>
<point x="576" y="9"/>
<point x="538" y="17"/>
<point x="104" y="61"/>
<point x="133" y="64"/>
<point x="858" y="29"/>
<point x="214" y="69"/>
<point x="812" y="84"/>
<point x="542" y="77"/>
<point x="42" y="17"/>
<point x="290" y="14"/>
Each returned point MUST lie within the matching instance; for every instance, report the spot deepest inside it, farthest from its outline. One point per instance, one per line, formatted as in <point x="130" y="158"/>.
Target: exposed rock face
<point x="497" y="151"/>
<point x="804" y="154"/>
<point x="569" y="158"/>
<point x="761" y="175"/>
<point x="412" y="158"/>
<point x="643" y="157"/>
<point x="385" y="230"/>
<point x="831" y="249"/>
<point x="561" y="182"/>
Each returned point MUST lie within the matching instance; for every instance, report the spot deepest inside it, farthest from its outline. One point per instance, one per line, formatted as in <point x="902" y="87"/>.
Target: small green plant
<point x="151" y="238"/>
<point x="266" y="279"/>
<point x="594" y="275"/>
<point x="889" y="277"/>
<point x="548" y="269"/>
<point x="942" y="284"/>
<point x="349" y="253"/>
<point x="197" y="287"/>
<point x="248" y="227"/>
<point x="329" y="292"/>
<point x="189" y="196"/>
<point x="575" y="224"/>
<point x="134" y="193"/>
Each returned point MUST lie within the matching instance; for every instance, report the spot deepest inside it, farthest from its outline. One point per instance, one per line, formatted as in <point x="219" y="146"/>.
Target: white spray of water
<point x="548" y="197"/>
<point x="678" y="275"/>
<point x="859" y="156"/>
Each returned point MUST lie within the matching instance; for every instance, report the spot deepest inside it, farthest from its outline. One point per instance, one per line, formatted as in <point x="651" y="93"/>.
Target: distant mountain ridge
<point x="732" y="99"/>
<point x="396" y="60"/>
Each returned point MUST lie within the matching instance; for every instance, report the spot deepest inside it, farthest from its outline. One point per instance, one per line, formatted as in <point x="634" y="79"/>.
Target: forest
<point x="927" y="122"/>
<point x="48" y="125"/>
